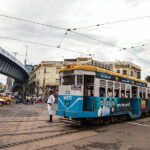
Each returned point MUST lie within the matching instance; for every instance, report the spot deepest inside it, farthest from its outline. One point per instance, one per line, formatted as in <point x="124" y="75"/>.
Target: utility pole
<point x="44" y="82"/>
<point x="25" y="61"/>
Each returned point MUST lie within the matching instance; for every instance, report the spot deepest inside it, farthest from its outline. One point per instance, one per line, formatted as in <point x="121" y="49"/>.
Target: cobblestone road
<point x="24" y="127"/>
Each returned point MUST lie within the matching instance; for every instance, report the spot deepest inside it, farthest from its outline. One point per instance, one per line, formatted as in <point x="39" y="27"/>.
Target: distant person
<point x="122" y="95"/>
<point x="50" y="103"/>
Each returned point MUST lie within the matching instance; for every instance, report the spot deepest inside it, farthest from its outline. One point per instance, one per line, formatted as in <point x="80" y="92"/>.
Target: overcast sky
<point x="74" y="14"/>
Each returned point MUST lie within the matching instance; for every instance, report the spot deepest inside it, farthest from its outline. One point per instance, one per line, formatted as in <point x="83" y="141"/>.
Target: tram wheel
<point x="113" y="119"/>
<point x="101" y="121"/>
<point x="107" y="121"/>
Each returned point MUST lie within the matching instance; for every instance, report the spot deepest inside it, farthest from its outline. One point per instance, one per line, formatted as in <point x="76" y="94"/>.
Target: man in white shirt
<point x="50" y="103"/>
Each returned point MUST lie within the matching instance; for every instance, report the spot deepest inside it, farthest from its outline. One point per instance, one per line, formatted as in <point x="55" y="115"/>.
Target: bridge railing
<point x="11" y="57"/>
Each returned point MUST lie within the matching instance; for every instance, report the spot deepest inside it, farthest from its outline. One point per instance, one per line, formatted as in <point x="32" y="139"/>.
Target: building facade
<point x="127" y="68"/>
<point x="9" y="84"/>
<point x="124" y="68"/>
<point x="45" y="75"/>
<point x="77" y="60"/>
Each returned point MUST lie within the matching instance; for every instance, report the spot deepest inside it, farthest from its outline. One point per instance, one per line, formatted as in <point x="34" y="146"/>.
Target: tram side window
<point x="134" y="91"/>
<point x="128" y="94"/>
<point x="102" y="91"/>
<point x="140" y="90"/>
<point x="110" y="92"/>
<point x="144" y="93"/>
<point x="116" y="94"/>
<point x="123" y="90"/>
<point x="122" y="93"/>
<point x="68" y="80"/>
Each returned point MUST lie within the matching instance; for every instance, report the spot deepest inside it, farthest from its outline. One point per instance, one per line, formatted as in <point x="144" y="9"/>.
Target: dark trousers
<point x="50" y="118"/>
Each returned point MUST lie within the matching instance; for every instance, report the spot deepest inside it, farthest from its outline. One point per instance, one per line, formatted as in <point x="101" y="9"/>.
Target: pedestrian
<point x="50" y="103"/>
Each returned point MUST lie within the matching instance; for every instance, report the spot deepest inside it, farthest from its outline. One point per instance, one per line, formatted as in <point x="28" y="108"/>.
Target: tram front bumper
<point x="71" y="114"/>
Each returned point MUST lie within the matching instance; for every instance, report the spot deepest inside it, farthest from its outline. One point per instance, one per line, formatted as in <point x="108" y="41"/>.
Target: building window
<point x="118" y="71"/>
<point x="124" y="72"/>
<point x="139" y="75"/>
<point x="131" y="73"/>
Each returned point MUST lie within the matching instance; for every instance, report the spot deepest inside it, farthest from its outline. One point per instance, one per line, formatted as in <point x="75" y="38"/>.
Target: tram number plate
<point x="67" y="97"/>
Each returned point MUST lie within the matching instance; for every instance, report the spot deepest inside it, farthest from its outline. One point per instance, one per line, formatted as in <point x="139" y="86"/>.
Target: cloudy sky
<point x="75" y="14"/>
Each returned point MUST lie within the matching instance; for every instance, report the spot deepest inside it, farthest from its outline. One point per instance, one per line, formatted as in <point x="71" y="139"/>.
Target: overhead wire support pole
<point x="25" y="61"/>
<point x="62" y="39"/>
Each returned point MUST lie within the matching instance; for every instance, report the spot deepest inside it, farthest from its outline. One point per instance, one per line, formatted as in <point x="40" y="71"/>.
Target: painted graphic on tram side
<point x="108" y="107"/>
<point x="143" y="104"/>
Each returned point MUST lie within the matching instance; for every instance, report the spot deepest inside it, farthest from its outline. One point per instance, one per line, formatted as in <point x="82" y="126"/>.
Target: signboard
<point x="77" y="87"/>
<point x="104" y="76"/>
<point x="67" y="97"/>
<point x="118" y="79"/>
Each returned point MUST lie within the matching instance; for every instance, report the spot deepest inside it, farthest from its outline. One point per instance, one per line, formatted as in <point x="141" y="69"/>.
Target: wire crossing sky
<point x="108" y="30"/>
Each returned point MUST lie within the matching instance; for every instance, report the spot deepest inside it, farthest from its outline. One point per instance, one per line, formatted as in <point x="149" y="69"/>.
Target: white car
<point x="1" y="101"/>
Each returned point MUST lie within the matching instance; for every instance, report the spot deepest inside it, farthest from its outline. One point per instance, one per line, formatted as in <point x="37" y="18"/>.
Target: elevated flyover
<point x="13" y="68"/>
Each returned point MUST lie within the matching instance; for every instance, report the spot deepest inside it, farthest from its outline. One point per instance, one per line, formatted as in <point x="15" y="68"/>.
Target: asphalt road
<point x="24" y="127"/>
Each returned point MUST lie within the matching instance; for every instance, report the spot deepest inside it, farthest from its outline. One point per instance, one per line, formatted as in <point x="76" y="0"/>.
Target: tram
<point x="96" y="94"/>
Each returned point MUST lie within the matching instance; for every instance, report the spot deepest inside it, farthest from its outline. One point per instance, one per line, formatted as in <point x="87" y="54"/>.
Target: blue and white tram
<point x="90" y="92"/>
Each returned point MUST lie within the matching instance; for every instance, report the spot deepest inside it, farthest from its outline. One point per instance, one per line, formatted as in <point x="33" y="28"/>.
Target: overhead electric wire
<point x="67" y="30"/>
<point x="89" y="37"/>
<point x="71" y="30"/>
<point x="34" y="22"/>
<point x="36" y="43"/>
<point x="112" y="22"/>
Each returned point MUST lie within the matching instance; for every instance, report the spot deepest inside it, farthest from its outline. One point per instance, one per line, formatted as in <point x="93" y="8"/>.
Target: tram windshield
<point x="68" y="80"/>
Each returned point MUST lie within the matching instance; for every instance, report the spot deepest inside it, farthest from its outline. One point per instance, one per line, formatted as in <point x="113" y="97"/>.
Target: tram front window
<point x="68" y="80"/>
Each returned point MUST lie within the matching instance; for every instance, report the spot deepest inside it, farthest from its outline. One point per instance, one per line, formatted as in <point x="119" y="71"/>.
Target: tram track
<point x="67" y="132"/>
<point x="97" y="129"/>
<point x="42" y="127"/>
<point x="38" y="139"/>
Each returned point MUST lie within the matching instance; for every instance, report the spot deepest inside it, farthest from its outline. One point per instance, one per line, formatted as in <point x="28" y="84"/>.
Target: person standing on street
<point x="50" y="103"/>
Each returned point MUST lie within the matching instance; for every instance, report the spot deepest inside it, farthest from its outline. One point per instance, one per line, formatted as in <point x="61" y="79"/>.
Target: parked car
<point x="7" y="100"/>
<point x="1" y="101"/>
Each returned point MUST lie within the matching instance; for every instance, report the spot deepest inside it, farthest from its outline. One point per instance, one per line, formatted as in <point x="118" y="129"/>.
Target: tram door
<point x="135" y="100"/>
<point x="88" y="103"/>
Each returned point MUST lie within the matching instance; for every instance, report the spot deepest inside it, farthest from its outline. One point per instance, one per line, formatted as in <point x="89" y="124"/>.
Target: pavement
<point x="25" y="127"/>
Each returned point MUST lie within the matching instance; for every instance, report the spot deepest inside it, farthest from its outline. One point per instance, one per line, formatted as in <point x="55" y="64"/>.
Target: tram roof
<point x="97" y="69"/>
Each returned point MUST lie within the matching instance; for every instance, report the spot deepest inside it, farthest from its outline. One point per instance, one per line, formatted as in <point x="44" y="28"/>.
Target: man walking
<point x="50" y="103"/>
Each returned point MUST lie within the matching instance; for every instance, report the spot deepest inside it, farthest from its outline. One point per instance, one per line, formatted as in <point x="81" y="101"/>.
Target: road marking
<point x="144" y="125"/>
